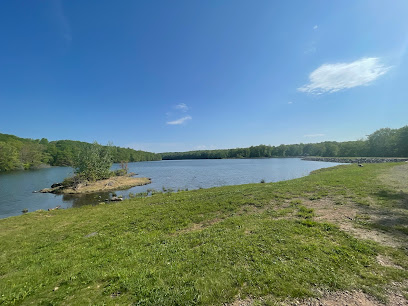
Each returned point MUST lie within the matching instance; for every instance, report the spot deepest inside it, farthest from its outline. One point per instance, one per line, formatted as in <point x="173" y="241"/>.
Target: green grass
<point x="199" y="247"/>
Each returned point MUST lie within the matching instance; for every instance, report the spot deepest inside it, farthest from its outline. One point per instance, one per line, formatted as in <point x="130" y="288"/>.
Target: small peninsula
<point x="110" y="184"/>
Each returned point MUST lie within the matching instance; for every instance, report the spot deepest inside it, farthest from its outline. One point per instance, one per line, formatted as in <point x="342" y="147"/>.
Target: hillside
<point x="22" y="153"/>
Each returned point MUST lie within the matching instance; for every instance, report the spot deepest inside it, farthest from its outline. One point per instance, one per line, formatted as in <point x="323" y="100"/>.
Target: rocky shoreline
<point x="357" y="160"/>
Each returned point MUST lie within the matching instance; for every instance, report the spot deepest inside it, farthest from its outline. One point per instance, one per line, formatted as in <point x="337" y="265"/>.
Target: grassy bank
<point x="339" y="229"/>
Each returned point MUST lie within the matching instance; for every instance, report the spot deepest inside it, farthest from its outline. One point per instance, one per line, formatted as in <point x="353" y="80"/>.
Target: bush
<point x="120" y="172"/>
<point x="94" y="162"/>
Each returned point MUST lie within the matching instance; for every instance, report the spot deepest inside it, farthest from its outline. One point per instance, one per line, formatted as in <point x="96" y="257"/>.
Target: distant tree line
<point x="21" y="153"/>
<point x="384" y="142"/>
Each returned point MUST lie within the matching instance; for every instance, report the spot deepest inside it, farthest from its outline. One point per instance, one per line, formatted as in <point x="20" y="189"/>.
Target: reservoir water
<point x="16" y="188"/>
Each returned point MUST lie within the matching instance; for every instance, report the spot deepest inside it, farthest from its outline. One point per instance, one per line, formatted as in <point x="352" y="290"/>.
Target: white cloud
<point x="334" y="77"/>
<point x="182" y="106"/>
<point x="315" y="27"/>
<point x="314" y="135"/>
<point x="179" y="121"/>
<point x="290" y="102"/>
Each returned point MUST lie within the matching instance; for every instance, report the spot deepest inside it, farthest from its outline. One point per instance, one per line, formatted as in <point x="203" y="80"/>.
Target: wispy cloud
<point x="314" y="135"/>
<point x="179" y="121"/>
<point x="315" y="27"/>
<point x="334" y="77"/>
<point x="182" y="106"/>
<point x="290" y="102"/>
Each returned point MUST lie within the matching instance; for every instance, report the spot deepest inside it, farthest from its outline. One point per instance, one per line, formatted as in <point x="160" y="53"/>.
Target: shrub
<point x="93" y="163"/>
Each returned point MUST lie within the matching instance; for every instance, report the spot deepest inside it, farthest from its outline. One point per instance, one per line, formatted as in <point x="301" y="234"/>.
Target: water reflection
<point x="78" y="200"/>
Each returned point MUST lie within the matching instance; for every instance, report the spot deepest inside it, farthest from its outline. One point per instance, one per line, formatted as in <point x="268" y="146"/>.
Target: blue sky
<point x="185" y="75"/>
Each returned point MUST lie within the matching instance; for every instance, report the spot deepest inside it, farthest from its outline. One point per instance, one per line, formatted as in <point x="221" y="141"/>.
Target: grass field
<point x="342" y="229"/>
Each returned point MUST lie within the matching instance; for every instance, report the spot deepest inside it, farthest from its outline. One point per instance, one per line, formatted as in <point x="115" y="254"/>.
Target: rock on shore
<point x="358" y="160"/>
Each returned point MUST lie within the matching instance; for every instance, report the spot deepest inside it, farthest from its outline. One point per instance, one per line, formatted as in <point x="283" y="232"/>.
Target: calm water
<point x="16" y="188"/>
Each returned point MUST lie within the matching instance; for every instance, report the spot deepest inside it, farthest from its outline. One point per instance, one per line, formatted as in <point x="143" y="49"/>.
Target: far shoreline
<point x="359" y="160"/>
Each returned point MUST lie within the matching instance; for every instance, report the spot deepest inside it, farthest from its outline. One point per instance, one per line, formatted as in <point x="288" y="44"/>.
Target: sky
<point x="187" y="75"/>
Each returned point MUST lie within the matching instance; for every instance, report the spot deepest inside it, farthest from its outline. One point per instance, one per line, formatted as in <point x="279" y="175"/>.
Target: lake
<point x="16" y="188"/>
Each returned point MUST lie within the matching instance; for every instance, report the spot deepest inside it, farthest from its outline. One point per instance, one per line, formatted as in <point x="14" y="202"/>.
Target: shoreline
<point x="359" y="160"/>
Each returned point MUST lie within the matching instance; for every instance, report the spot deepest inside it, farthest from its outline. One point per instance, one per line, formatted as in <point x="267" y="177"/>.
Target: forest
<point x="21" y="153"/>
<point x="384" y="142"/>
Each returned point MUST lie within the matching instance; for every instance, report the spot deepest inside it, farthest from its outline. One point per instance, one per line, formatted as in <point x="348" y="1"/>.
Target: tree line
<point x="384" y="142"/>
<point x="23" y="153"/>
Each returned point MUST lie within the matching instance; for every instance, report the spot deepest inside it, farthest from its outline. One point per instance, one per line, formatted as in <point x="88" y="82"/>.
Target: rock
<point x="55" y="185"/>
<point x="115" y="199"/>
<point x="25" y="210"/>
<point x="52" y="189"/>
<point x="360" y="165"/>
<point x="369" y="160"/>
<point x="55" y="208"/>
<point x="79" y="186"/>
<point x="91" y="234"/>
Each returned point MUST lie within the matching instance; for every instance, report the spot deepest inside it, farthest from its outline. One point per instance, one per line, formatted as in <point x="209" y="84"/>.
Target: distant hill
<point x="24" y="153"/>
<point x="384" y="142"/>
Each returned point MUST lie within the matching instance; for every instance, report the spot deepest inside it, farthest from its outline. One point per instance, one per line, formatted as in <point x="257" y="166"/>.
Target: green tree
<point x="382" y="142"/>
<point x="332" y="149"/>
<point x="93" y="162"/>
<point x="402" y="141"/>
<point x="8" y="157"/>
<point x="32" y="155"/>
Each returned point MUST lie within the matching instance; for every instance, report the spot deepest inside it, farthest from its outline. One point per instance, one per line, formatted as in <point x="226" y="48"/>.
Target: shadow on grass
<point x="390" y="195"/>
<point x="393" y="216"/>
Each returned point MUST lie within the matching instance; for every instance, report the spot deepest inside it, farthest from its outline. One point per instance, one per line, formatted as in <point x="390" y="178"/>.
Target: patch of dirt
<point x="345" y="216"/>
<point x="246" y="302"/>
<point x="340" y="298"/>
<point x="387" y="262"/>
<point x="113" y="183"/>
<point x="198" y="226"/>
